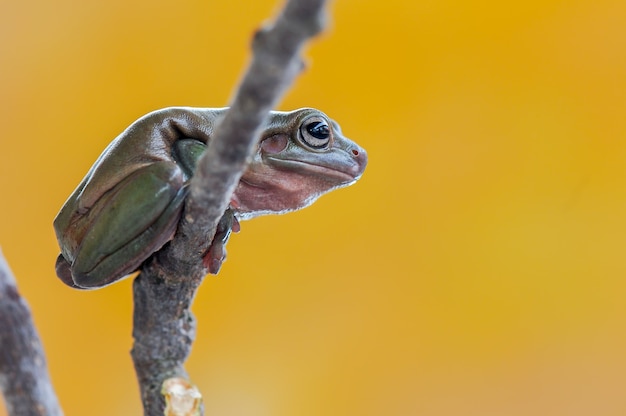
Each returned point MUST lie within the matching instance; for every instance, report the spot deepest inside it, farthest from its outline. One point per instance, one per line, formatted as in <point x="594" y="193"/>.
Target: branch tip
<point x="181" y="397"/>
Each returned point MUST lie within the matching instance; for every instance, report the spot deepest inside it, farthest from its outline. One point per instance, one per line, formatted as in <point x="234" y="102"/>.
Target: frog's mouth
<point x="339" y="172"/>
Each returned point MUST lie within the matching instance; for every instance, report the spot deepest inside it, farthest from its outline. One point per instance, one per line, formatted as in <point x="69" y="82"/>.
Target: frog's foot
<point x="138" y="217"/>
<point x="64" y="271"/>
<point x="216" y="255"/>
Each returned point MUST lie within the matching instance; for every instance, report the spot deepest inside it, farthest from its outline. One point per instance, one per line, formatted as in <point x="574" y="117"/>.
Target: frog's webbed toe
<point x="216" y="254"/>
<point x="135" y="219"/>
<point x="64" y="271"/>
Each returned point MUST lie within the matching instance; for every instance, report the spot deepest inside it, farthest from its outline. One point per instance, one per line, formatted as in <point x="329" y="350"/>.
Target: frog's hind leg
<point x="136" y="218"/>
<point x="64" y="271"/>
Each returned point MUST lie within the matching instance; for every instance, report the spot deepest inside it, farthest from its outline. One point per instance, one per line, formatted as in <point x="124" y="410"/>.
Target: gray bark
<point x="24" y="379"/>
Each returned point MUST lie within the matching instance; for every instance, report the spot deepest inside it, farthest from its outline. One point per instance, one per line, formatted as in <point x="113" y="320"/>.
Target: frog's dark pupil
<point x="318" y="130"/>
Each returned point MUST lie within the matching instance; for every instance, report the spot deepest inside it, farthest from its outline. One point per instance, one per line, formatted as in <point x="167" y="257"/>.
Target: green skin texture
<point x="130" y="202"/>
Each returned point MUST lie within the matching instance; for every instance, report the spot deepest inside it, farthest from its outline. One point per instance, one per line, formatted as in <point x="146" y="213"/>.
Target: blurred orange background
<point x="478" y="268"/>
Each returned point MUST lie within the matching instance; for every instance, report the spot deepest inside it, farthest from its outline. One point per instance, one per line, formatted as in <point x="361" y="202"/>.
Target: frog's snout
<point x="359" y="155"/>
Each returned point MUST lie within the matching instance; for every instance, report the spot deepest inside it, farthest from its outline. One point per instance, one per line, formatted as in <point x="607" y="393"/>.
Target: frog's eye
<point x="315" y="133"/>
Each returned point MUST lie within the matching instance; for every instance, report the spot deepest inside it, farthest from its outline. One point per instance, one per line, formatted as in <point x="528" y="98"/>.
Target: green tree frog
<point x="130" y="202"/>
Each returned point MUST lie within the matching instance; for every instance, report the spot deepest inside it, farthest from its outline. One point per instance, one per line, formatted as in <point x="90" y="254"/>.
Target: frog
<point x="129" y="204"/>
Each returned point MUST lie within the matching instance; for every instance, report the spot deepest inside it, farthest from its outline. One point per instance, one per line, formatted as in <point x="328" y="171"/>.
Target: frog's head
<point x="302" y="155"/>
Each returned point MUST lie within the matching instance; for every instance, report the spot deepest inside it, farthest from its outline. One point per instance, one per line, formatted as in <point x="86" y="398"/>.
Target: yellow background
<point x="478" y="268"/>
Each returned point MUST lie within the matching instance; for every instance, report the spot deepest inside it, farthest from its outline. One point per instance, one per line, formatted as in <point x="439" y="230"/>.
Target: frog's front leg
<point x="186" y="152"/>
<point x="125" y="226"/>
<point x="216" y="254"/>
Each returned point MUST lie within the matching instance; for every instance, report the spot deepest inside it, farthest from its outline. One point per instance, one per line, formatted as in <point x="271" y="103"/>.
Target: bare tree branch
<point x="24" y="378"/>
<point x="164" y="327"/>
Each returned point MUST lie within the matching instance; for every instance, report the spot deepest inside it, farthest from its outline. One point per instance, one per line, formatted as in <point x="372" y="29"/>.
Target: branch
<point x="24" y="379"/>
<point x="164" y="327"/>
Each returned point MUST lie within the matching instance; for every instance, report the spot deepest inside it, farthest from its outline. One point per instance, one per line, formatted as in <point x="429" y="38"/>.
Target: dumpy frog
<point x="130" y="202"/>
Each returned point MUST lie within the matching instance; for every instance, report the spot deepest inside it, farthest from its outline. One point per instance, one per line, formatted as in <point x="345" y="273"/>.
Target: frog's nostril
<point x="359" y="157"/>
